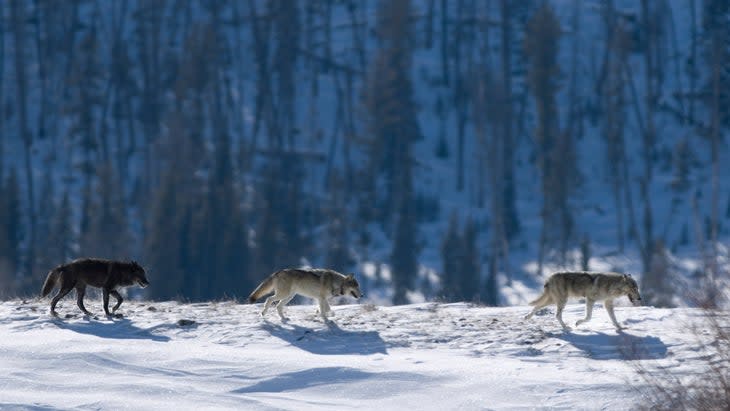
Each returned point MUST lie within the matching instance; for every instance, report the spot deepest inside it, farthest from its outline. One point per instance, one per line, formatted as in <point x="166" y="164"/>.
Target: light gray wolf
<point x="593" y="286"/>
<point x="317" y="283"/>
<point x="96" y="272"/>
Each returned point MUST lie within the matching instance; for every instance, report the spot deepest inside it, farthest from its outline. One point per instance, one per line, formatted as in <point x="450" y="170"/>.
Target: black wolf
<point x="105" y="274"/>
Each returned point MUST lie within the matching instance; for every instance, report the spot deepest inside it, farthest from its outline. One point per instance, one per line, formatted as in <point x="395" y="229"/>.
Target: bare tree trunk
<point x="21" y="87"/>
<point x="508" y="207"/>
<point x="573" y="116"/>
<point x="429" y="23"/>
<point x="677" y="60"/>
<point x="2" y="89"/>
<point x="693" y="59"/>
<point x="358" y="28"/>
<point x="459" y="96"/>
<point x="717" y="66"/>
<point x="541" y="249"/>
<point x="649" y="136"/>
<point x="445" y="42"/>
<point x="41" y="70"/>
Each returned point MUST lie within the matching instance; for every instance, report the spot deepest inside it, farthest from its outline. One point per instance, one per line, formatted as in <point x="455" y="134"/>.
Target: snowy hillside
<point x="216" y="142"/>
<point x="166" y="355"/>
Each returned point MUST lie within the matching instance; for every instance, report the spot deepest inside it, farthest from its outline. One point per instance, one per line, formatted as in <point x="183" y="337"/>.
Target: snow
<point x="425" y="356"/>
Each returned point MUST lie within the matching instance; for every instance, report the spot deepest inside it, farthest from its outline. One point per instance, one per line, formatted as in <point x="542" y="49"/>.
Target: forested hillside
<point x="438" y="149"/>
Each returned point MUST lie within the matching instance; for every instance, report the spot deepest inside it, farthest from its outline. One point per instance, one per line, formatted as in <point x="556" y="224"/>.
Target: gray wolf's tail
<point x="51" y="281"/>
<point x="264" y="288"/>
<point x="544" y="299"/>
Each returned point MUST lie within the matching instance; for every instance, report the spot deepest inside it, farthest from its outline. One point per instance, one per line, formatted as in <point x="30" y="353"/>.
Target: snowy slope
<point x="422" y="356"/>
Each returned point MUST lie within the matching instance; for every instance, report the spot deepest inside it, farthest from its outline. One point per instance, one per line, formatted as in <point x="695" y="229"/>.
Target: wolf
<point x="594" y="286"/>
<point x="317" y="283"/>
<point x="96" y="272"/>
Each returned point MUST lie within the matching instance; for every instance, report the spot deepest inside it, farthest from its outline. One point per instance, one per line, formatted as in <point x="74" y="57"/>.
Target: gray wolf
<point x="591" y="285"/>
<point x="105" y="274"/>
<point x="317" y="283"/>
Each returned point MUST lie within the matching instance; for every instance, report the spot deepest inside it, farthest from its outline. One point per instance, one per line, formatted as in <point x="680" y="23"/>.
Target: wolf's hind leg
<point x="61" y="293"/>
<point x="559" y="313"/>
<point x="589" y="312"/>
<point x="542" y="302"/>
<point x="271" y="300"/>
<point x="281" y="304"/>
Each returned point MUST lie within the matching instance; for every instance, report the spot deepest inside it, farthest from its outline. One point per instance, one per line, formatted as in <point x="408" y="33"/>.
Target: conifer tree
<point x="164" y="240"/>
<point x="451" y="258"/>
<point x="470" y="278"/>
<point x="555" y="148"/>
<point x="11" y="235"/>
<point x="107" y="232"/>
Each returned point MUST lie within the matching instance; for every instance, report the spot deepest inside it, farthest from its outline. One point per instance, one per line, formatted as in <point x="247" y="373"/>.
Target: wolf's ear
<point x="351" y="276"/>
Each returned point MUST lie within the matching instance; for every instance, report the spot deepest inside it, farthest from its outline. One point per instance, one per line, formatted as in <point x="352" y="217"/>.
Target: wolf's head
<point x="631" y="289"/>
<point x="138" y="275"/>
<point x="350" y="286"/>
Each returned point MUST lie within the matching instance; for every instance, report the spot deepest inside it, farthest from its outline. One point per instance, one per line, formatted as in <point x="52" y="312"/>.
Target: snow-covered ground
<point x="424" y="356"/>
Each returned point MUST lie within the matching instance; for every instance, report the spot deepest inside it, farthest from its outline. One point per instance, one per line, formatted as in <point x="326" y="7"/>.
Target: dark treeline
<point x="217" y="141"/>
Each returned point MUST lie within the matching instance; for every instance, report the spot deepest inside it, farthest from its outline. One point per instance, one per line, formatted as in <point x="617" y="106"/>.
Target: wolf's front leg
<point x="609" y="307"/>
<point x="589" y="312"/>
<point x="105" y="297"/>
<point x="119" y="298"/>
<point x="323" y="308"/>
<point x="80" y="292"/>
<point x="559" y="314"/>
<point x="328" y="312"/>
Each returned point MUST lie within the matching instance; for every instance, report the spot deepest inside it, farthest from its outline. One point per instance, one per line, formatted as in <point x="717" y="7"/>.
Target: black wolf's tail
<point x="264" y="288"/>
<point x="51" y="281"/>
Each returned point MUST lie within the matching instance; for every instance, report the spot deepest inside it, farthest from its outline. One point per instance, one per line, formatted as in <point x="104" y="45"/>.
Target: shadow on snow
<point x="120" y="329"/>
<point x="620" y="346"/>
<point x="330" y="341"/>
<point x="326" y="376"/>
